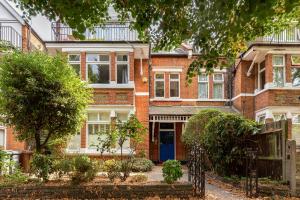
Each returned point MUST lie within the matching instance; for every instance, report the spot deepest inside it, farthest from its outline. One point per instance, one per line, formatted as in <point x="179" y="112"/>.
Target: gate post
<point x="291" y="165"/>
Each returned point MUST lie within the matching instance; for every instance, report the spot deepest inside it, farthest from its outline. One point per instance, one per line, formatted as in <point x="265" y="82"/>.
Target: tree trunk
<point x="38" y="146"/>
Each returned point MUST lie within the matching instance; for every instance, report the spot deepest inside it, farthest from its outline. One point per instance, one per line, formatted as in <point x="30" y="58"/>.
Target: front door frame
<point x="174" y="139"/>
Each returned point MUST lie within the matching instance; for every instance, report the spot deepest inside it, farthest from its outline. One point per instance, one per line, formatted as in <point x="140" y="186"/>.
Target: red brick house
<point x="127" y="79"/>
<point x="15" y="30"/>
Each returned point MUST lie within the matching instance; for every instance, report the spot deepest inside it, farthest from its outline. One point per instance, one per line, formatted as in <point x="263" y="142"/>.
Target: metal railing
<point x="108" y="32"/>
<point x="290" y="35"/>
<point x="9" y="34"/>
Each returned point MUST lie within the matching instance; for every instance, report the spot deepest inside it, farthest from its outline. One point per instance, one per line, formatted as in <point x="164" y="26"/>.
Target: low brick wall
<point x="180" y="191"/>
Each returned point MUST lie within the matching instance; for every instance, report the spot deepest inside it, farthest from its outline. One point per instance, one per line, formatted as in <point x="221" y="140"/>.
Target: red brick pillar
<point x="83" y="135"/>
<point x="131" y="65"/>
<point x="288" y="68"/>
<point x="167" y="85"/>
<point x="269" y="68"/>
<point x="25" y="38"/>
<point x="211" y="87"/>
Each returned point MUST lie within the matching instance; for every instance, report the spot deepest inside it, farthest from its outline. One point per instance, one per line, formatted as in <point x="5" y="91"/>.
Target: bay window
<point x="74" y="143"/>
<point x="97" y="124"/>
<point x="74" y="61"/>
<point x="98" y="68"/>
<point x="279" y="116"/>
<point x="2" y="138"/>
<point x="159" y="85"/>
<point x="261" y="119"/>
<point x="261" y="76"/>
<point x="174" y="85"/>
<point x="203" y="86"/>
<point x="122" y="69"/>
<point x="278" y="70"/>
<point x="218" y="86"/>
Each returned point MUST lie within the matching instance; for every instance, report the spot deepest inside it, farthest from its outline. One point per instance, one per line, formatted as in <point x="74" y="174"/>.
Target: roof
<point x="185" y="110"/>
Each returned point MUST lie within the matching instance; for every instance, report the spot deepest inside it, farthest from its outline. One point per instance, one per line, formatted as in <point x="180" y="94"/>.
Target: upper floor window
<point x="295" y="76"/>
<point x="2" y="138"/>
<point x="159" y="85"/>
<point x="296" y="119"/>
<point x="203" y="86"/>
<point x="218" y="92"/>
<point x="98" y="68"/>
<point x="174" y="85"/>
<point x="74" y="61"/>
<point x="261" y="76"/>
<point x="278" y="70"/>
<point x="122" y="69"/>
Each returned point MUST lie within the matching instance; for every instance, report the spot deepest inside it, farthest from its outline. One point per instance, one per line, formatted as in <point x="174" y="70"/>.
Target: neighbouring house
<point x="15" y="30"/>
<point x="127" y="78"/>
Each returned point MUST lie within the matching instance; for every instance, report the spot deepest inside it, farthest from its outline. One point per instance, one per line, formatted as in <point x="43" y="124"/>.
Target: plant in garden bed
<point x="85" y="169"/>
<point x="142" y="165"/>
<point x="172" y="171"/>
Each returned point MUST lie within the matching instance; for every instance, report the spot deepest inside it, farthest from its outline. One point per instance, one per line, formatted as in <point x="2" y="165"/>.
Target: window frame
<point x="162" y="80"/>
<point x="218" y="82"/>
<point x="2" y="127"/>
<point x="98" y="62"/>
<point x="174" y="80"/>
<point x="75" y="62"/>
<point x="95" y="122"/>
<point x="259" y="116"/>
<point x="279" y="113"/>
<point x="122" y="63"/>
<point x="279" y="66"/>
<point x="259" y="78"/>
<point x="294" y="114"/>
<point x="292" y="61"/>
<point x="207" y="81"/>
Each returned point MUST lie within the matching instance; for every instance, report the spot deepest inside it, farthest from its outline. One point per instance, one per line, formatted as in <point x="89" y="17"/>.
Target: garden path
<point x="213" y="192"/>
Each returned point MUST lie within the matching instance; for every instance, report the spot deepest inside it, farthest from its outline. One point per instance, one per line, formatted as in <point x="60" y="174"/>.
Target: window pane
<point x="174" y="76"/>
<point x="92" y="116"/>
<point x="93" y="133"/>
<point x="218" y="77"/>
<point x="122" y="74"/>
<point x="122" y="116"/>
<point x="203" y="90"/>
<point x="278" y="60"/>
<point x="166" y="126"/>
<point x="278" y="117"/>
<point x="218" y="91"/>
<point x="2" y="138"/>
<point x="98" y="73"/>
<point x="74" y="57"/>
<point x="159" y="76"/>
<point x="174" y="88"/>
<point x="295" y="59"/>
<point x="74" y="143"/>
<point x="261" y="119"/>
<point x="296" y="77"/>
<point x="203" y="77"/>
<point x="278" y="76"/>
<point x="122" y="58"/>
<point x="76" y="68"/>
<point x="159" y="89"/>
<point x="262" y="80"/>
<point x="92" y="57"/>
<point x="104" y="57"/>
<point x="104" y="116"/>
<point x="296" y="119"/>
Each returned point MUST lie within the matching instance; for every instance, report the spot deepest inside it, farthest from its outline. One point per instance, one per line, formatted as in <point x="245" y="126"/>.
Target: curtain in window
<point x="122" y="74"/>
<point x="218" y="91"/>
<point x="203" y="90"/>
<point x="278" y="76"/>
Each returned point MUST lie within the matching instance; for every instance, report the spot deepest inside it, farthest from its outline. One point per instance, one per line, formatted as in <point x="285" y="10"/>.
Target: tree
<point x="41" y="97"/>
<point x="216" y="28"/>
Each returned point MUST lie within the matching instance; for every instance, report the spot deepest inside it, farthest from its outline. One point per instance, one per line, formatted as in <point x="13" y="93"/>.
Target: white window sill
<point x="112" y="85"/>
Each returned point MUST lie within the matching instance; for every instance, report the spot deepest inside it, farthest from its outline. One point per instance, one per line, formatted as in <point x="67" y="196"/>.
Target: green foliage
<point x="16" y="178"/>
<point x="142" y="165"/>
<point x="3" y="158"/>
<point x="42" y="165"/>
<point x="225" y="140"/>
<point x="112" y="167"/>
<point x="216" y="28"/>
<point x="85" y="169"/>
<point x="172" y="171"/>
<point x="196" y="126"/>
<point x="63" y="166"/>
<point x="41" y="97"/>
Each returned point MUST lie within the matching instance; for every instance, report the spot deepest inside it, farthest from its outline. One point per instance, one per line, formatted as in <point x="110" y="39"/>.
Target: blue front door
<point x="166" y="145"/>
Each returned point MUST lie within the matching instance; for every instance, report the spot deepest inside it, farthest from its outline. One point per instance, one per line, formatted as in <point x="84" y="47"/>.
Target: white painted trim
<point x="142" y="94"/>
<point x="243" y="95"/>
<point x="5" y="137"/>
<point x="82" y="46"/>
<point x="167" y="70"/>
<point x="196" y="100"/>
<point x="104" y="49"/>
<point x="12" y="11"/>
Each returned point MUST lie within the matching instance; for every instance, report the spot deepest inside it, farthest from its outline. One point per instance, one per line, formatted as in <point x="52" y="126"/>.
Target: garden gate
<point x="196" y="171"/>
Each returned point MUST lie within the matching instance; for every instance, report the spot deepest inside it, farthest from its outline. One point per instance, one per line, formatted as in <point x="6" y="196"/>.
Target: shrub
<point x="14" y="179"/>
<point x="63" y="166"/>
<point x="139" y="178"/>
<point x="112" y="167"/>
<point x="84" y="169"/>
<point x="172" y="171"/>
<point x="196" y="125"/>
<point x="225" y="139"/>
<point x="142" y="165"/>
<point x="41" y="165"/>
